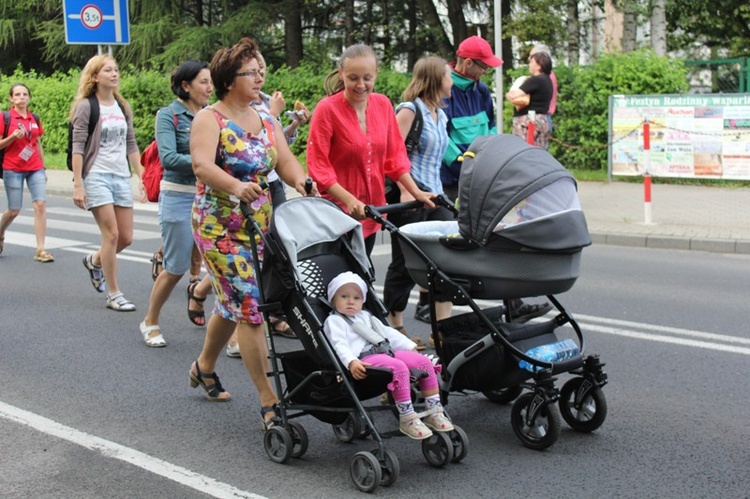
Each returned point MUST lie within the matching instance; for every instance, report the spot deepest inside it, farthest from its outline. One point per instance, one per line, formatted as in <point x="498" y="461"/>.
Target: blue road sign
<point x="96" y="22"/>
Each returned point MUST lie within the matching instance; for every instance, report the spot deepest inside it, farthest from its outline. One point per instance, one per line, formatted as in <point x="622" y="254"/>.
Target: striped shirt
<point x="425" y="161"/>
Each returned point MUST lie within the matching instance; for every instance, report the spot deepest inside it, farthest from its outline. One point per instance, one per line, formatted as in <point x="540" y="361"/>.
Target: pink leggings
<point x="400" y="365"/>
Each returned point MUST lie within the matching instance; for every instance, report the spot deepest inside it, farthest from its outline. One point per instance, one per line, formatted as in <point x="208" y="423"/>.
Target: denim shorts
<point x="107" y="188"/>
<point x="175" y="209"/>
<point x="36" y="180"/>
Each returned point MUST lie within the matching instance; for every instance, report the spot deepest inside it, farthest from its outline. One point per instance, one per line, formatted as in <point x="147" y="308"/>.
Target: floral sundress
<point x="219" y="228"/>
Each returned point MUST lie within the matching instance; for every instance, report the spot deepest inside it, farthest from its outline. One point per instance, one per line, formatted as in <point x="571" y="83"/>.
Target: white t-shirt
<point x="112" y="156"/>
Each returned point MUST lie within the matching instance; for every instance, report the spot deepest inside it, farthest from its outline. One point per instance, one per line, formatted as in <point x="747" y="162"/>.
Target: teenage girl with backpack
<point x="101" y="174"/>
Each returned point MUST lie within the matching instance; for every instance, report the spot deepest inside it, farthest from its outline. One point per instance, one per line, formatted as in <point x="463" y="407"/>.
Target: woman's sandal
<point x="152" y="341"/>
<point x="197" y="317"/>
<point x="43" y="256"/>
<point x="157" y="263"/>
<point x="274" y="420"/>
<point x="213" y="391"/>
<point x="286" y="332"/>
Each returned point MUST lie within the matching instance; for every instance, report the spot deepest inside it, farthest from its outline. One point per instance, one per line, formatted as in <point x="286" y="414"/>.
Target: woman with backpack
<point x="101" y="163"/>
<point x="424" y="99"/>
<point x="23" y="160"/>
<point x="191" y="84"/>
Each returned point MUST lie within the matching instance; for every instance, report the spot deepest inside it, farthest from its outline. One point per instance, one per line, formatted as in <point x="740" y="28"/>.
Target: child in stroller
<point x="360" y="340"/>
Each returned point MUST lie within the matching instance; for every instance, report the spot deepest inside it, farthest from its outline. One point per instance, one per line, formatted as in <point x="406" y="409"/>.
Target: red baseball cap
<point x="476" y="47"/>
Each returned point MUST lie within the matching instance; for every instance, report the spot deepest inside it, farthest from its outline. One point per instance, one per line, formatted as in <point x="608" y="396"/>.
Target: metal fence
<point x="719" y="76"/>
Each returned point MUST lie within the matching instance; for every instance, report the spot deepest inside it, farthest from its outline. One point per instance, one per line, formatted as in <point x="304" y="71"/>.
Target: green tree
<point x="724" y="25"/>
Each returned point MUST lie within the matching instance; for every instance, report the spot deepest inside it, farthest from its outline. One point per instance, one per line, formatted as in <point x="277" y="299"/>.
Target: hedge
<point x="580" y="120"/>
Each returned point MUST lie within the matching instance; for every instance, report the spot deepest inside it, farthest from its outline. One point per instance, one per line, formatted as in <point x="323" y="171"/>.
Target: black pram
<point x="520" y="232"/>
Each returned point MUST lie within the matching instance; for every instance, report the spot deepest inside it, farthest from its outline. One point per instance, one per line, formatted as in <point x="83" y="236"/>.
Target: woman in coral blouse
<point x="354" y="141"/>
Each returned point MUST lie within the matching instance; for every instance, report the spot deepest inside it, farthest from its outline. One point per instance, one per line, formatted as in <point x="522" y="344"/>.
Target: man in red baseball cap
<point x="476" y="48"/>
<point x="470" y="109"/>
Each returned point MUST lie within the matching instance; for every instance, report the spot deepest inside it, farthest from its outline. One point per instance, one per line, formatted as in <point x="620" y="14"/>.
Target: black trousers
<point x="398" y="283"/>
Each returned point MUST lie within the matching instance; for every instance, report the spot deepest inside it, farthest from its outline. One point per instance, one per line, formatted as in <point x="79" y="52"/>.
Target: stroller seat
<point x="309" y="242"/>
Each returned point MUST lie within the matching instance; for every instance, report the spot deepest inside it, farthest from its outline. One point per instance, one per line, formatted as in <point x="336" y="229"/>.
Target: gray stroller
<point x="520" y="232"/>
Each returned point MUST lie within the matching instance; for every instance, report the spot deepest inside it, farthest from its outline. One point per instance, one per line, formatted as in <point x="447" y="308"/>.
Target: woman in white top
<point x="101" y="173"/>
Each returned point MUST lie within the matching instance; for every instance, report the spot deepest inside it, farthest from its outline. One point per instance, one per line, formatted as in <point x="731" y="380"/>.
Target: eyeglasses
<point x="253" y="73"/>
<point x="481" y="65"/>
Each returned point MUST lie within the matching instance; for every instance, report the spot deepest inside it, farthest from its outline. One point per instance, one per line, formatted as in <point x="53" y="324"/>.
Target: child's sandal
<point x="438" y="421"/>
<point x="413" y="427"/>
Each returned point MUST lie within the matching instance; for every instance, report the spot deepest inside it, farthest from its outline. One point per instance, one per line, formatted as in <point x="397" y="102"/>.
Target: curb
<point x="735" y="246"/>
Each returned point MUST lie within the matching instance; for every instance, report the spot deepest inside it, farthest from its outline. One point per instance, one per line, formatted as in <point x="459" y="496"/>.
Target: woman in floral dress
<point x="234" y="147"/>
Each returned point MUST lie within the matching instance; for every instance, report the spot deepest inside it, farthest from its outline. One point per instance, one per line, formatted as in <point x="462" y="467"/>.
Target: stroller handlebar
<point x="374" y="211"/>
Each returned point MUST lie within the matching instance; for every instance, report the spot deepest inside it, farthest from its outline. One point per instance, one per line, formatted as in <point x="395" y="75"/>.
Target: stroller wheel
<point x="348" y="430"/>
<point x="388" y="466"/>
<point x="582" y="405"/>
<point x="438" y="449"/>
<point x="536" y="423"/>
<point x="503" y="395"/>
<point x="299" y="438"/>
<point x="278" y="444"/>
<point x="460" y="443"/>
<point x="365" y="471"/>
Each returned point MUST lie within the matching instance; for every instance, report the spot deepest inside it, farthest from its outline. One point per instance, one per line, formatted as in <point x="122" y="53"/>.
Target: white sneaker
<point x="233" y="350"/>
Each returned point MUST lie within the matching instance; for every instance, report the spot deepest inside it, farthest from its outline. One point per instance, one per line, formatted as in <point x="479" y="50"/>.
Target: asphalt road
<point x="86" y="410"/>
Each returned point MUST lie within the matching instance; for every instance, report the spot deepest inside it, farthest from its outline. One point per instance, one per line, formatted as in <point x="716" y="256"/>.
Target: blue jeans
<point x="36" y="181"/>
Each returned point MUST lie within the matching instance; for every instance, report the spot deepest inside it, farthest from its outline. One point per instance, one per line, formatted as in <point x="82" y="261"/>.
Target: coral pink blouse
<point x="339" y="152"/>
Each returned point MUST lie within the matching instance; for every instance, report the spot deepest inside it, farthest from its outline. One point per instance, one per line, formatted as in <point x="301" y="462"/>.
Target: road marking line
<point x="668" y="339"/>
<point x="84" y="228"/>
<point x="113" y="450"/>
<point x="665" y="329"/>
<point x="587" y="325"/>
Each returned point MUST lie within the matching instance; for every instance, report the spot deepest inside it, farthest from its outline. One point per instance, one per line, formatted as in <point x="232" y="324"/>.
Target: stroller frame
<point x="370" y="469"/>
<point x="534" y="416"/>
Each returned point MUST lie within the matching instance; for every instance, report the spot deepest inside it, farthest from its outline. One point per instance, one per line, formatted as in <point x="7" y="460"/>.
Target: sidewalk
<point x="683" y="217"/>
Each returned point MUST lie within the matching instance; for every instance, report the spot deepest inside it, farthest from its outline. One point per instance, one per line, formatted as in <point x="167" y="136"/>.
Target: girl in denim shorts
<point x="24" y="161"/>
<point x="101" y="174"/>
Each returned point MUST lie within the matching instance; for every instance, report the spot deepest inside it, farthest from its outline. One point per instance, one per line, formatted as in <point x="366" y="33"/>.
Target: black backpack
<point x="415" y="132"/>
<point x="93" y="120"/>
<point x="6" y="129"/>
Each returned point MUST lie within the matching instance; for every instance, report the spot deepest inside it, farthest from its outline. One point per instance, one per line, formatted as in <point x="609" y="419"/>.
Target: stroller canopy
<point x="303" y="222"/>
<point x="512" y="190"/>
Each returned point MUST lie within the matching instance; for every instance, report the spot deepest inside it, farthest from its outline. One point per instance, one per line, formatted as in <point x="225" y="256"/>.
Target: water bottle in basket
<point x="553" y="352"/>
